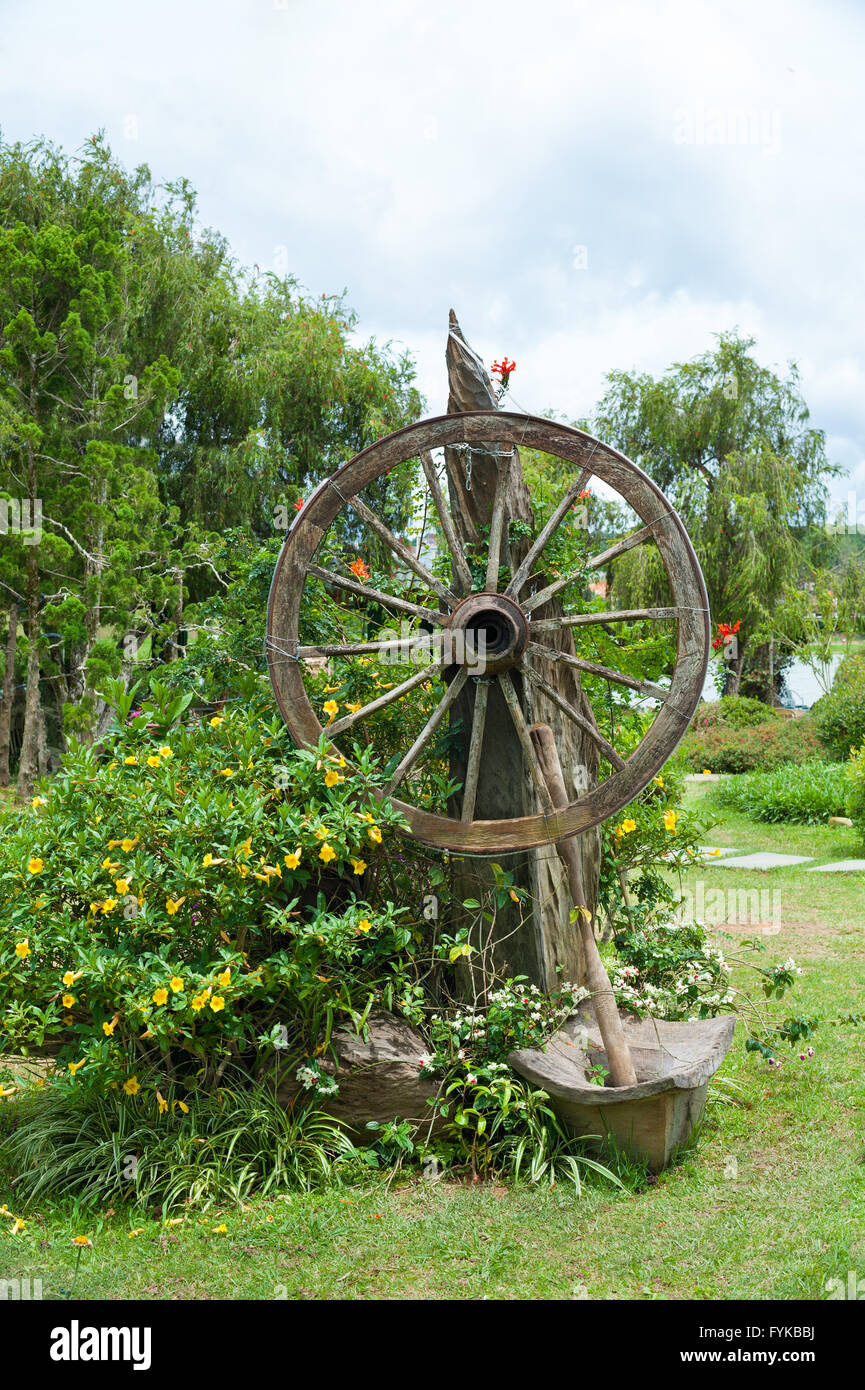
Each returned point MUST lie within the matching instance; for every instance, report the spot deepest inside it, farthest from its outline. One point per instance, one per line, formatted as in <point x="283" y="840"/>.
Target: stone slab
<point x="716" y="851"/>
<point x="703" y="777"/>
<point x="841" y="866"/>
<point x="765" y="860"/>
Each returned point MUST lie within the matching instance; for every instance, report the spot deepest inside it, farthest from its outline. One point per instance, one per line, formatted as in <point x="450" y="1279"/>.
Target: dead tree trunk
<point x="534" y="938"/>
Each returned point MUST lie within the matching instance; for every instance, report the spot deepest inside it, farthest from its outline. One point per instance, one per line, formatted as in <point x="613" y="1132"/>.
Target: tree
<point x="730" y="443"/>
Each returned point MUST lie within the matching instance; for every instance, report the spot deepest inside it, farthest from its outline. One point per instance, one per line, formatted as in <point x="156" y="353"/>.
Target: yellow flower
<point x="165" y="752"/>
<point x="176" y="984"/>
<point x="69" y="978"/>
<point x="76" y="1066"/>
<point x="659" y="781"/>
<point x="364" y="925"/>
<point x="154" y="761"/>
<point x="18" y="1226"/>
<point x="34" y="865"/>
<point x="82" y="1241"/>
<point x="226" y="772"/>
<point x="243" y="870"/>
<point x="198" y="1002"/>
<point x="670" y="818"/>
<point x="514" y="897"/>
<point x="326" y="853"/>
<point x="131" y="760"/>
<point x="353" y="706"/>
<point x="246" y="847"/>
<point x="162" y="1102"/>
<point x="39" y="801"/>
<point x="331" y="778"/>
<point x="131" y="1087"/>
<point x="224" y="979"/>
<point x="127" y="844"/>
<point x="108" y="906"/>
<point x="7" y="1091"/>
<point x="184" y="1107"/>
<point x="359" y="866"/>
<point x="628" y="826"/>
<point x="707" y="772"/>
<point x="109" y="864"/>
<point x="322" y="832"/>
<point x="160" y="996"/>
<point x="715" y="852"/>
<point x="122" y="886"/>
<point x="374" y="834"/>
<point x="22" y="949"/>
<point x="217" y="1003"/>
<point x="172" y="905"/>
<point x="291" y="861"/>
<point x="330" y="688"/>
<point x="220" y="1230"/>
<point x="108" y="1028"/>
<point x="139" y="1231"/>
<point x="39" y="902"/>
<point x="209" y="860"/>
<point x="68" y="1001"/>
<point x="216" y="721"/>
<point x="331" y="708"/>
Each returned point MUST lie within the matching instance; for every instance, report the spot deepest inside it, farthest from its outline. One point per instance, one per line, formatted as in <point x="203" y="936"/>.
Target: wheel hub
<point x="489" y="634"/>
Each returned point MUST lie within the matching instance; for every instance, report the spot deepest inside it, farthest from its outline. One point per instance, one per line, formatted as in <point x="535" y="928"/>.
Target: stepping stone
<point x="703" y="777"/>
<point x="765" y="861"/>
<point x="841" y="866"/>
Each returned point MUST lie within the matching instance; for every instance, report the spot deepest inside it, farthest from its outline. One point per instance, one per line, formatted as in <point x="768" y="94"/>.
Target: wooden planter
<point x="673" y="1062"/>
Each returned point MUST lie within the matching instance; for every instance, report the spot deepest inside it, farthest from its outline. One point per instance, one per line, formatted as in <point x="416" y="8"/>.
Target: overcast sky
<point x="591" y="184"/>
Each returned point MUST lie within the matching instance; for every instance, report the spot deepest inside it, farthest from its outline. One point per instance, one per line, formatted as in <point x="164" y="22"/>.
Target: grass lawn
<point x="771" y="1204"/>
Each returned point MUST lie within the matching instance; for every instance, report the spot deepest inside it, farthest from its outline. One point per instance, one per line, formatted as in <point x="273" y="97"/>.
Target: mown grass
<point x="770" y="1204"/>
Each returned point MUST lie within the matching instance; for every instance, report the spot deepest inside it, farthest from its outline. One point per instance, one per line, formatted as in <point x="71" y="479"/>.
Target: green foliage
<point x="731" y="445"/>
<point x="840" y="715"/>
<point x="805" y="793"/>
<point x="856" y="790"/>
<point x="190" y="896"/>
<point x="734" y="712"/>
<point x="726" y="748"/>
<point x="144" y="1149"/>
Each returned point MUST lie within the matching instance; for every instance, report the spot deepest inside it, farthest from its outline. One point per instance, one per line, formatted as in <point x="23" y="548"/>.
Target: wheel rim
<point x="509" y="612"/>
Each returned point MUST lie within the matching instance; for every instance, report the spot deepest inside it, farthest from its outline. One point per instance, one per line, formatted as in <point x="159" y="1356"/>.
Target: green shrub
<point x="188" y="898"/>
<point x="840" y="715"/>
<point x="735" y="712"/>
<point x="726" y="748"/>
<point x="856" y="790"/>
<point x="806" y="794"/>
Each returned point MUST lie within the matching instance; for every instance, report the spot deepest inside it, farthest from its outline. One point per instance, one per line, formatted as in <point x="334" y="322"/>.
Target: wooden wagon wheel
<point x="510" y="620"/>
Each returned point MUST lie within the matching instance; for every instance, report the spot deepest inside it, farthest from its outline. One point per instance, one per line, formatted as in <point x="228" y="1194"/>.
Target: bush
<point x="726" y="748"/>
<point x="185" y="898"/>
<point x="856" y="790"/>
<point x="735" y="712"/>
<point x="805" y="794"/>
<point x="840" y="715"/>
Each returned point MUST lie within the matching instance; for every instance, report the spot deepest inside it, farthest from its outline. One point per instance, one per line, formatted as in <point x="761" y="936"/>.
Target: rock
<point x="840" y="820"/>
<point x="379" y="1079"/>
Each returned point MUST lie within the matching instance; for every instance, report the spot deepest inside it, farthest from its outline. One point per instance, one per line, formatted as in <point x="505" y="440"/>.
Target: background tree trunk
<point x="535" y="937"/>
<point x="8" y="694"/>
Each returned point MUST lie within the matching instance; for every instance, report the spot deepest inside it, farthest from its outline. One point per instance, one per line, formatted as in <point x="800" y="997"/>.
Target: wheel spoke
<point x="579" y="719"/>
<point x="426" y="673"/>
<point x="619" y="615"/>
<point x="479" y="719"/>
<point x="400" y="550"/>
<point x="428" y="729"/>
<point x="497" y="525"/>
<point x="454" y="544"/>
<point x="386" y="600"/>
<point x="645" y="533"/>
<point x="522" y="730"/>
<point x="593" y="668"/>
<point x="421" y="641"/>
<point x="540" y="544"/>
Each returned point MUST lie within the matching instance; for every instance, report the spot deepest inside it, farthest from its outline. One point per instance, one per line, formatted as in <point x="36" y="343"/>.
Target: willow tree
<point x="731" y="444"/>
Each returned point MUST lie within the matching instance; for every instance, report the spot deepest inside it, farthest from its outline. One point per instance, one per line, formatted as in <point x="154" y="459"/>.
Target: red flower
<point x="360" y="568"/>
<point x="298" y="504"/>
<point x="503" y="369"/>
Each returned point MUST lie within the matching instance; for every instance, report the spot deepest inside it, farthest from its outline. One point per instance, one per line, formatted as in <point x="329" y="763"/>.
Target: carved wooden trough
<point x="673" y="1063"/>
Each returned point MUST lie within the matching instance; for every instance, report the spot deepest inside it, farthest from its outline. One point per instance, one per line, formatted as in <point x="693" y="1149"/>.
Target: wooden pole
<point x="606" y="1012"/>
